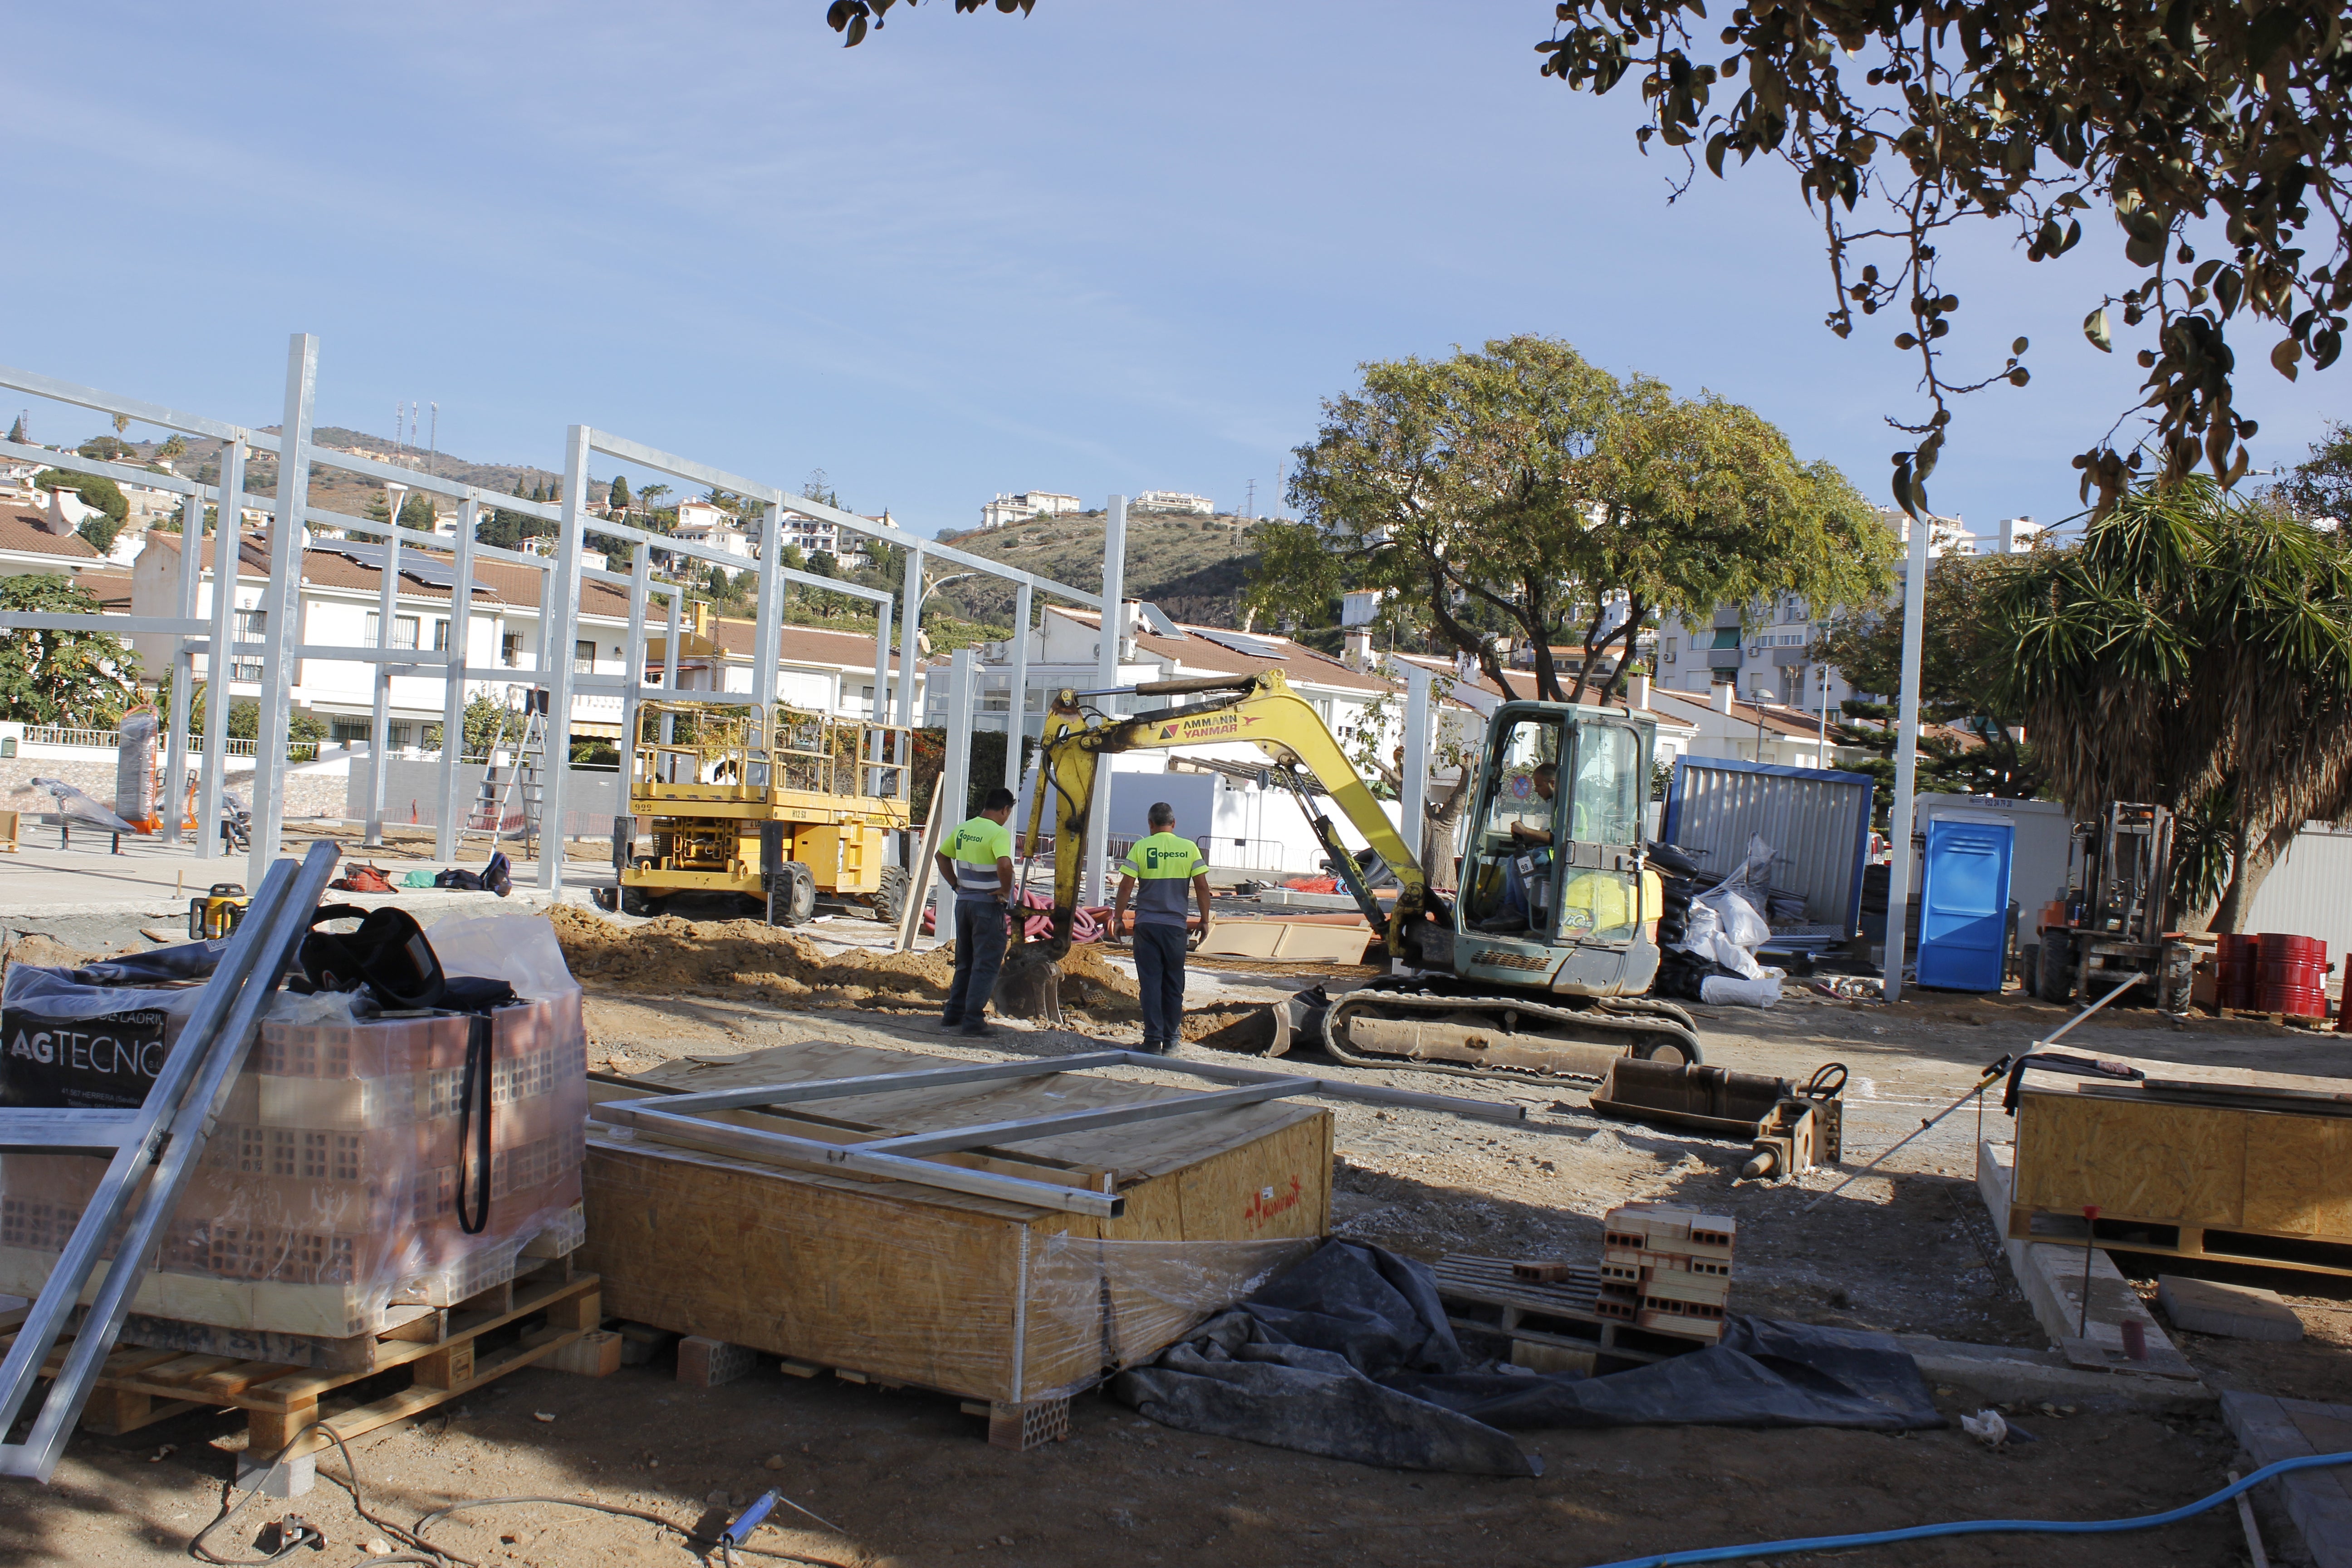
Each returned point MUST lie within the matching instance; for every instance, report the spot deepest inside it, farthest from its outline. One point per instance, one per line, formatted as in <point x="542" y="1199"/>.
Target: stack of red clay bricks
<point x="1666" y="1269"/>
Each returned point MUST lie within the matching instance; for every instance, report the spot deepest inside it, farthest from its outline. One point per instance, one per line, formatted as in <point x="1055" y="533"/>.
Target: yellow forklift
<point x="787" y="809"/>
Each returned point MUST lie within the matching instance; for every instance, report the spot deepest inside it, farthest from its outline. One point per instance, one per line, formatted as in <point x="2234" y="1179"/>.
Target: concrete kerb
<point x="2052" y="1277"/>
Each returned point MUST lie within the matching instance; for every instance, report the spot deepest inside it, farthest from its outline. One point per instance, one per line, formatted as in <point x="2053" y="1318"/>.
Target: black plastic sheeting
<point x="1349" y="1355"/>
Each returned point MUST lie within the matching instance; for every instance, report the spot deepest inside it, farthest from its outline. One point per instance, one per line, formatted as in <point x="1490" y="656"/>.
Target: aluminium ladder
<point x="517" y="781"/>
<point x="149" y="1153"/>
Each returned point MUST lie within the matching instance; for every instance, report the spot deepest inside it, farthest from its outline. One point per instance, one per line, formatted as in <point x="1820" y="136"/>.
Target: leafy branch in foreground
<point x="2193" y="124"/>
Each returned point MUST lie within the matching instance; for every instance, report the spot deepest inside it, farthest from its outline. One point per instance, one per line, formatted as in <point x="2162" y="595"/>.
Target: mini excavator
<point x="1538" y="968"/>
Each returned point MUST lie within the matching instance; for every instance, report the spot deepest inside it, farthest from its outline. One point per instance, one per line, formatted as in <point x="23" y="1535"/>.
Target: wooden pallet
<point x="139" y="1385"/>
<point x="1560" y="1320"/>
<point x="2291" y="1020"/>
<point x="1031" y="1424"/>
<point x="2178" y="1238"/>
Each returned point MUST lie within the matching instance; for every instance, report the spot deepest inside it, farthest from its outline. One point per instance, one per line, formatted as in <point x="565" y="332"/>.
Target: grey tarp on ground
<point x="1349" y="1355"/>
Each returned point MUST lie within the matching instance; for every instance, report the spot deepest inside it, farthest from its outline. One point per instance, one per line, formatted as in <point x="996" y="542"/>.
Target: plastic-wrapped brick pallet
<point x="329" y="1189"/>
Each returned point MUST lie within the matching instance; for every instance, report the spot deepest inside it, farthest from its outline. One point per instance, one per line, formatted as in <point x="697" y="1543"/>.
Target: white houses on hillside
<point x="341" y="584"/>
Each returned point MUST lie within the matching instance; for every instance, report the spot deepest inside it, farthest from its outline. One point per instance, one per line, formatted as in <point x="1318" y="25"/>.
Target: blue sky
<point x="1116" y="246"/>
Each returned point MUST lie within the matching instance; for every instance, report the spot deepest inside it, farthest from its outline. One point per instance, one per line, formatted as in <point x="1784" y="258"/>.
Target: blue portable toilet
<point x="1964" y="905"/>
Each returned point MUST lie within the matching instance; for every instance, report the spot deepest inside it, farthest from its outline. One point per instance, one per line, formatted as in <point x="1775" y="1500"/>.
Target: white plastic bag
<point x="1741" y="922"/>
<point x="1721" y="991"/>
<point x="1701" y="926"/>
<point x="512" y="945"/>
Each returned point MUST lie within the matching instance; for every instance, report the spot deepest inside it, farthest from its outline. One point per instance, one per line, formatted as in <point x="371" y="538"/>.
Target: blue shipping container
<point x="1964" y="905"/>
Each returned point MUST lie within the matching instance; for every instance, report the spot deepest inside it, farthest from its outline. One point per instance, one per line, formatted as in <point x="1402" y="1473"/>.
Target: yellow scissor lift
<point x="785" y="812"/>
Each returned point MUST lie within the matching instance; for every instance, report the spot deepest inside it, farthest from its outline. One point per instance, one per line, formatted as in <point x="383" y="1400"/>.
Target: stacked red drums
<point x="2235" y="961"/>
<point x="2291" y="975"/>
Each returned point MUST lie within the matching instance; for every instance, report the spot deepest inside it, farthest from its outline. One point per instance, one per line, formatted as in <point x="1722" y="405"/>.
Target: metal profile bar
<point x="282" y="628"/>
<point x="167" y="625"/>
<point x="1336" y="1089"/>
<point x="456" y="489"/>
<point x="387" y="617"/>
<point x="183" y="671"/>
<point x="226" y="552"/>
<point x="885" y="1082"/>
<point x="767" y="636"/>
<point x="956" y="1138"/>
<point x="1016" y="711"/>
<point x="392" y="656"/>
<point x="910" y="622"/>
<point x="145" y="413"/>
<point x="757" y="1142"/>
<point x="58" y="1131"/>
<point x="170" y="1137"/>
<point x="559" y="630"/>
<point x="74" y="462"/>
<point x="453" y="681"/>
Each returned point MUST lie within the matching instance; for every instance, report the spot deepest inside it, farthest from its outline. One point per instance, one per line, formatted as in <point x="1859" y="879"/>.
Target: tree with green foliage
<point x="2193" y="651"/>
<point x="175" y="445"/>
<point x="819" y="488"/>
<point x="94" y="490"/>
<point x="1524" y="488"/>
<point x="16" y="432"/>
<point x="616" y="499"/>
<point x="484" y="720"/>
<point x="104" y="449"/>
<point x="417" y="512"/>
<point x="80" y="680"/>
<point x="2321" y="485"/>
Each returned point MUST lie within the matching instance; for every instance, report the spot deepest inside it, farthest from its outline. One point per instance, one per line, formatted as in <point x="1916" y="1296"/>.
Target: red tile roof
<point x="1198" y="651"/>
<point x="27" y="532"/>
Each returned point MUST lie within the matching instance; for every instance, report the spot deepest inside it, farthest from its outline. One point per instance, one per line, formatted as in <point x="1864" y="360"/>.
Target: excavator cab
<point x="1553" y="888"/>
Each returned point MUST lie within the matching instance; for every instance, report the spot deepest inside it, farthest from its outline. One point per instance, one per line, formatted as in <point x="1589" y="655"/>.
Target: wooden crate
<point x="2230" y="1182"/>
<point x="985" y="1300"/>
<point x="139" y="1385"/>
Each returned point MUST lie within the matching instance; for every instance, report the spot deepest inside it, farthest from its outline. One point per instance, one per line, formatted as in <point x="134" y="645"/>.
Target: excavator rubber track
<point x="1402" y="1023"/>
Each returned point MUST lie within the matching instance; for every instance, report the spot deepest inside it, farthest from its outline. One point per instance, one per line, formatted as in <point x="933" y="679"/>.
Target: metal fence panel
<point x="2309" y="891"/>
<point x="1817" y="822"/>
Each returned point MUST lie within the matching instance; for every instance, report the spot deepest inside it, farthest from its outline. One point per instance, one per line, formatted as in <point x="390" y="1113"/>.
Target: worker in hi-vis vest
<point x="1158" y="872"/>
<point x="976" y="862"/>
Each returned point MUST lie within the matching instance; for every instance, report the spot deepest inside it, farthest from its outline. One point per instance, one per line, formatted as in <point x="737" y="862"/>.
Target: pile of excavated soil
<point x="667" y="953"/>
<point x="671" y="954"/>
<point x="42" y="952"/>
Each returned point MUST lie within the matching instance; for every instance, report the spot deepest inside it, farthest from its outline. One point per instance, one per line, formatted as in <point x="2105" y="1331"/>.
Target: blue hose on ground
<point x="1981" y="1526"/>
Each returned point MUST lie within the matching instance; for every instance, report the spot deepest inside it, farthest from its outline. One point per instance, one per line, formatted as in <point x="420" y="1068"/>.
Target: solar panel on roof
<point x="1242" y="642"/>
<point x="431" y="571"/>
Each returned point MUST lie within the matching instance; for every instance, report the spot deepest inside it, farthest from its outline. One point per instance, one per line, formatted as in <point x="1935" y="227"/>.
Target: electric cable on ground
<point x="1979" y="1526"/>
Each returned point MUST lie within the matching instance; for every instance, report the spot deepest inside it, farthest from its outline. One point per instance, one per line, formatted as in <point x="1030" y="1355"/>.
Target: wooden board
<point x="1560" y="1317"/>
<point x="2190" y="1169"/>
<point x="976" y="1296"/>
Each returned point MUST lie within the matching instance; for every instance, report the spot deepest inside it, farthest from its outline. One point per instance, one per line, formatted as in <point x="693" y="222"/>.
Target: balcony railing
<point x="111" y="739"/>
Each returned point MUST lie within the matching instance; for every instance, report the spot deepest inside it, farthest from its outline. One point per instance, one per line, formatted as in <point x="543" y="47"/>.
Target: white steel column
<point x="558" y="628"/>
<point x="281" y="627"/>
<point x="1016" y="727"/>
<point x="910" y="628"/>
<point x="227" y="552"/>
<point x="183" y="670"/>
<point x="877" y="713"/>
<point x="1114" y="621"/>
<point x="1906" y="757"/>
<point x="670" y="658"/>
<point x="767" y="640"/>
<point x="955" y="777"/>
<point x="641" y="583"/>
<point x="1413" y="788"/>
<point x="453" y="688"/>
<point x="387" y="599"/>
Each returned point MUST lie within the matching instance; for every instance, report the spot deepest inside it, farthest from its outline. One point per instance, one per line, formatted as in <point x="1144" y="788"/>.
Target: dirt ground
<point x="908" y="1481"/>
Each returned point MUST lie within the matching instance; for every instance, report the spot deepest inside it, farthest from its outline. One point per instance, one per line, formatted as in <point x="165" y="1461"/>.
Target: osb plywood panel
<point x="2299" y="1176"/>
<point x="804" y="1266"/>
<point x="2150" y="1162"/>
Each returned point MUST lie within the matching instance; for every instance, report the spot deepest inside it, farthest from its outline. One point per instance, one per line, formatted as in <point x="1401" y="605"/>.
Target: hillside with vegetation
<point x="1193" y="568"/>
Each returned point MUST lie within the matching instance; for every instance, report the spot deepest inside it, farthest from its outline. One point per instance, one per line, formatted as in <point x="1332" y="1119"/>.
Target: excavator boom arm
<point x="1260" y="709"/>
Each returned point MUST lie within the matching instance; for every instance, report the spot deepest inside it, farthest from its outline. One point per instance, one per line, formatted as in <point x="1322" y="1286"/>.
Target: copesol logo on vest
<point x="109" y="1061"/>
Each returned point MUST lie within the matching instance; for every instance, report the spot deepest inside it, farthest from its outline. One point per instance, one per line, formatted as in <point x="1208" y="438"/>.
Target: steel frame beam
<point x="682" y="1116"/>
